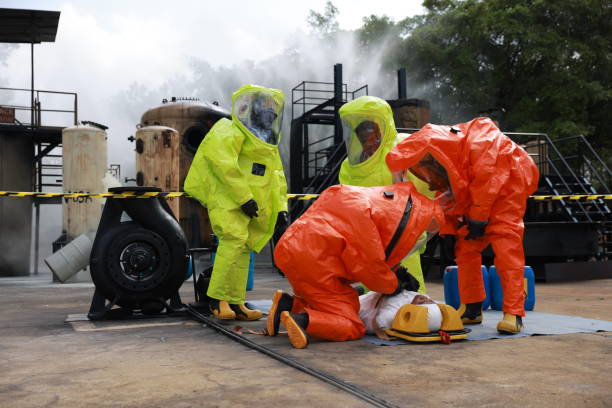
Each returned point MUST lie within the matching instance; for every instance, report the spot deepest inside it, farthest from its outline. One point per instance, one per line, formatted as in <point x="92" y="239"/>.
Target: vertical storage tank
<point x="167" y="139"/>
<point x="156" y="152"/>
<point x="84" y="167"/>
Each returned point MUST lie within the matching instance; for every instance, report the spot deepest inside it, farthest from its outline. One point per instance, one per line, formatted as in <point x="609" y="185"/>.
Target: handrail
<point x="38" y="110"/>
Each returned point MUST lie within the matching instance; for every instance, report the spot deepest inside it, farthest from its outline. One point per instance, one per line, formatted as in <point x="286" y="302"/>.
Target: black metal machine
<point x="138" y="264"/>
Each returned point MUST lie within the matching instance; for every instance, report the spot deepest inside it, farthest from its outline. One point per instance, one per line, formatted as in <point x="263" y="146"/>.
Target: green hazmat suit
<point x="239" y="161"/>
<point x="369" y="134"/>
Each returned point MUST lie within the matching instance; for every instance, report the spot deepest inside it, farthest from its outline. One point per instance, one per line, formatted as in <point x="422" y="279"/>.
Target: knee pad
<point x="424" y="323"/>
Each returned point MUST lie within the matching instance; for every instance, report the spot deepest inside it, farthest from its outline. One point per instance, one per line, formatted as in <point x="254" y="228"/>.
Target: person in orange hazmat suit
<point x="350" y="234"/>
<point x="483" y="180"/>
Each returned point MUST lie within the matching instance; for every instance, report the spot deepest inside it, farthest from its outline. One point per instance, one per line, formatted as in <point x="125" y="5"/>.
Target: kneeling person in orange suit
<point x="350" y="234"/>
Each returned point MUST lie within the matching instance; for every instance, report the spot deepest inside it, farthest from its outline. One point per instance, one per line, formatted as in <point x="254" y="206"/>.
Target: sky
<point x="103" y="48"/>
<point x="124" y="57"/>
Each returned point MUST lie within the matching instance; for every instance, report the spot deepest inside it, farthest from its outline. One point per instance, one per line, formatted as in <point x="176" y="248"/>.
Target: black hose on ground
<point x="321" y="375"/>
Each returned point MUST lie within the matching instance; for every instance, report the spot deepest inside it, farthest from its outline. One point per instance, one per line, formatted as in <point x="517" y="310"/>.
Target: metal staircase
<point x="317" y="150"/>
<point x="568" y="238"/>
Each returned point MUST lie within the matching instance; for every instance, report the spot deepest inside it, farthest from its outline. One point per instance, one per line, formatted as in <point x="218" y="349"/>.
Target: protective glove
<point x="476" y="229"/>
<point x="405" y="281"/>
<point x="282" y="222"/>
<point x="250" y="208"/>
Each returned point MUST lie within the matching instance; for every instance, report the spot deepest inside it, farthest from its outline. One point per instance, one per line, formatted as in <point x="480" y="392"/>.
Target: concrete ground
<point x="176" y="362"/>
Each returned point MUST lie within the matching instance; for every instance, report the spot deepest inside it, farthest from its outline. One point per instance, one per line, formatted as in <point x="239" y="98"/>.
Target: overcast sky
<point x="104" y="47"/>
<point x="123" y="56"/>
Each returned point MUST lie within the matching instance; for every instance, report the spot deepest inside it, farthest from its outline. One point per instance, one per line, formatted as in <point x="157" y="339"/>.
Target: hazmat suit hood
<point x="443" y="144"/>
<point x="477" y="158"/>
<point x="369" y="134"/>
<point x="258" y="112"/>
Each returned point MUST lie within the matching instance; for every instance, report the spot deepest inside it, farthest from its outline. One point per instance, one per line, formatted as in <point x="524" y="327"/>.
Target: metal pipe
<point x="402" y="89"/>
<point x="337" y="102"/>
<point x="32" y="84"/>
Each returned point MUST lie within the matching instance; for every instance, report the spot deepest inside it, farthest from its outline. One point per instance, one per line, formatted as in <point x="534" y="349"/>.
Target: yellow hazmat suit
<point x="238" y="161"/>
<point x="369" y="134"/>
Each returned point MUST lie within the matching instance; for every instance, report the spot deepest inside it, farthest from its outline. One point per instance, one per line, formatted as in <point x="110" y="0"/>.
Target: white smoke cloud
<point x="123" y="58"/>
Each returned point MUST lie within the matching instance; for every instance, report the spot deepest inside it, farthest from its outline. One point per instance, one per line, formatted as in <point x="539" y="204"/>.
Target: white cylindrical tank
<point x="84" y="169"/>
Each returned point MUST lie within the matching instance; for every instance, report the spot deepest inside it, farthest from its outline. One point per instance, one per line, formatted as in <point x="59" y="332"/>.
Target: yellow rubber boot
<point x="510" y="324"/>
<point x="244" y="313"/>
<point x="282" y="302"/>
<point x="222" y="310"/>
<point x="295" y="331"/>
<point x="471" y="313"/>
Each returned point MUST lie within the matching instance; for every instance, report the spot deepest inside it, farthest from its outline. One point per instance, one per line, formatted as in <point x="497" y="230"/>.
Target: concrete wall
<point x="16" y="174"/>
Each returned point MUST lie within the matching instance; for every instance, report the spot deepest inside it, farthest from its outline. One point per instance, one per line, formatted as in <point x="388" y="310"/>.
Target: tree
<point x="544" y="65"/>
<point x="324" y="23"/>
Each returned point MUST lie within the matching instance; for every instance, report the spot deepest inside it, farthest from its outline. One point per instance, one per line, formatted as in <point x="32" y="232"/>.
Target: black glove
<point x="250" y="208"/>
<point x="282" y="222"/>
<point x="476" y="229"/>
<point x="405" y="281"/>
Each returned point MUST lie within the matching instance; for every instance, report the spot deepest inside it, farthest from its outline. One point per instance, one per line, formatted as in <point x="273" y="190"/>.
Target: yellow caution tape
<point x="573" y="197"/>
<point x="171" y="194"/>
<point x="125" y="194"/>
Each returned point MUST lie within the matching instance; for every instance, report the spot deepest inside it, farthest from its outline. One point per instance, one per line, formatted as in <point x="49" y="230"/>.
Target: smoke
<point x="307" y="57"/>
<point x="120" y="68"/>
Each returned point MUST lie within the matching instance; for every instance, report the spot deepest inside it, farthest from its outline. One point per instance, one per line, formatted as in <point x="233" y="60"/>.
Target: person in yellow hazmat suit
<point x="369" y="133"/>
<point x="237" y="174"/>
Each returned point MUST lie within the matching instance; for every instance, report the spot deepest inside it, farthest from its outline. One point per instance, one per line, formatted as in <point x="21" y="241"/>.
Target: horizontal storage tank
<point x="166" y="141"/>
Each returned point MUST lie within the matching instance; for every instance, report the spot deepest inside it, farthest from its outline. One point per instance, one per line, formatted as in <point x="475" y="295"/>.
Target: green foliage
<point x="545" y="65"/>
<point x="324" y="23"/>
<point x="375" y="29"/>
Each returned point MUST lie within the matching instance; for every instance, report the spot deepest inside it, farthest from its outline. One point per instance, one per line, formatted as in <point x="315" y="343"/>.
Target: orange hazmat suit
<point x="350" y="234"/>
<point x="489" y="178"/>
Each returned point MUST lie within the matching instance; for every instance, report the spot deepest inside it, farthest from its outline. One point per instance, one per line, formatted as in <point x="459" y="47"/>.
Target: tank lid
<point x="94" y="124"/>
<point x="212" y="107"/>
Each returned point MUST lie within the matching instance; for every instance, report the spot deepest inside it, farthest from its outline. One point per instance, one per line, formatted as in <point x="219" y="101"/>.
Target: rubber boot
<point x="510" y="324"/>
<point x="471" y="313"/>
<point x="221" y="309"/>
<point x="296" y="324"/>
<point x="282" y="302"/>
<point x="244" y="313"/>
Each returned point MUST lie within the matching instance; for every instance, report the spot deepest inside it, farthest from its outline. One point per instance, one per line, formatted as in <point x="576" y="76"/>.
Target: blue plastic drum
<point x="451" y="287"/>
<point x="497" y="294"/>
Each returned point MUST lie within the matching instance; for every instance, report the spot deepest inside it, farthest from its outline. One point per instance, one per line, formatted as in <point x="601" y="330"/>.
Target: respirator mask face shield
<point x="261" y="114"/>
<point x="432" y="172"/>
<point x="362" y="135"/>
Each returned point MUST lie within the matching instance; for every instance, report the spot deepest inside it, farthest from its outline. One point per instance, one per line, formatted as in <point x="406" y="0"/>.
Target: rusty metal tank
<point x="167" y="138"/>
<point x="410" y="113"/>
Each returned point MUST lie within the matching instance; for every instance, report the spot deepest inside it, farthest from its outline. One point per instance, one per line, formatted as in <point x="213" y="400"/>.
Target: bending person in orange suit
<point x="483" y="180"/>
<point x="350" y="234"/>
